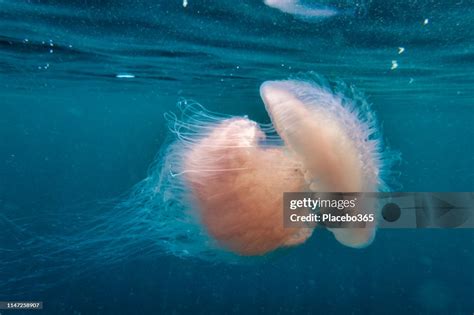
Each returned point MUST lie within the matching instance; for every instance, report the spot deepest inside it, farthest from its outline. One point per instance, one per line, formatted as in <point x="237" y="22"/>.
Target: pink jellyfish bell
<point x="238" y="187"/>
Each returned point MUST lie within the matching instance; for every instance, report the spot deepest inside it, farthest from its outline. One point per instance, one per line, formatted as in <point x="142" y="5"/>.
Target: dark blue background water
<point x="71" y="131"/>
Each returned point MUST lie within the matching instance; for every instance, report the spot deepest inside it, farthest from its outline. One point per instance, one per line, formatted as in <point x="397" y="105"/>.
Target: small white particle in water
<point x="237" y="67"/>
<point x="426" y="21"/>
<point x="411" y="81"/>
<point x="125" y="76"/>
<point x="70" y="46"/>
<point x="394" y="65"/>
<point x="26" y="40"/>
<point x="401" y="50"/>
<point x="185" y="3"/>
<point x="51" y="51"/>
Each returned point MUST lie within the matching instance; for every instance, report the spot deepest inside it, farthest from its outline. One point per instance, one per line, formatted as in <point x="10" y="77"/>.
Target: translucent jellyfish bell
<point x="302" y="10"/>
<point x="328" y="138"/>
<point x="334" y="146"/>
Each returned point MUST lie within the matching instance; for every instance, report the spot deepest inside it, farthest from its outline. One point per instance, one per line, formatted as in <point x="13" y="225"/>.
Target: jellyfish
<point x="215" y="190"/>
<point x="235" y="183"/>
<point x="308" y="11"/>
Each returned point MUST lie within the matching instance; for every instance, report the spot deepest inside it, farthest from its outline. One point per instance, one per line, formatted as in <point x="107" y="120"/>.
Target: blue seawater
<point x="83" y="89"/>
